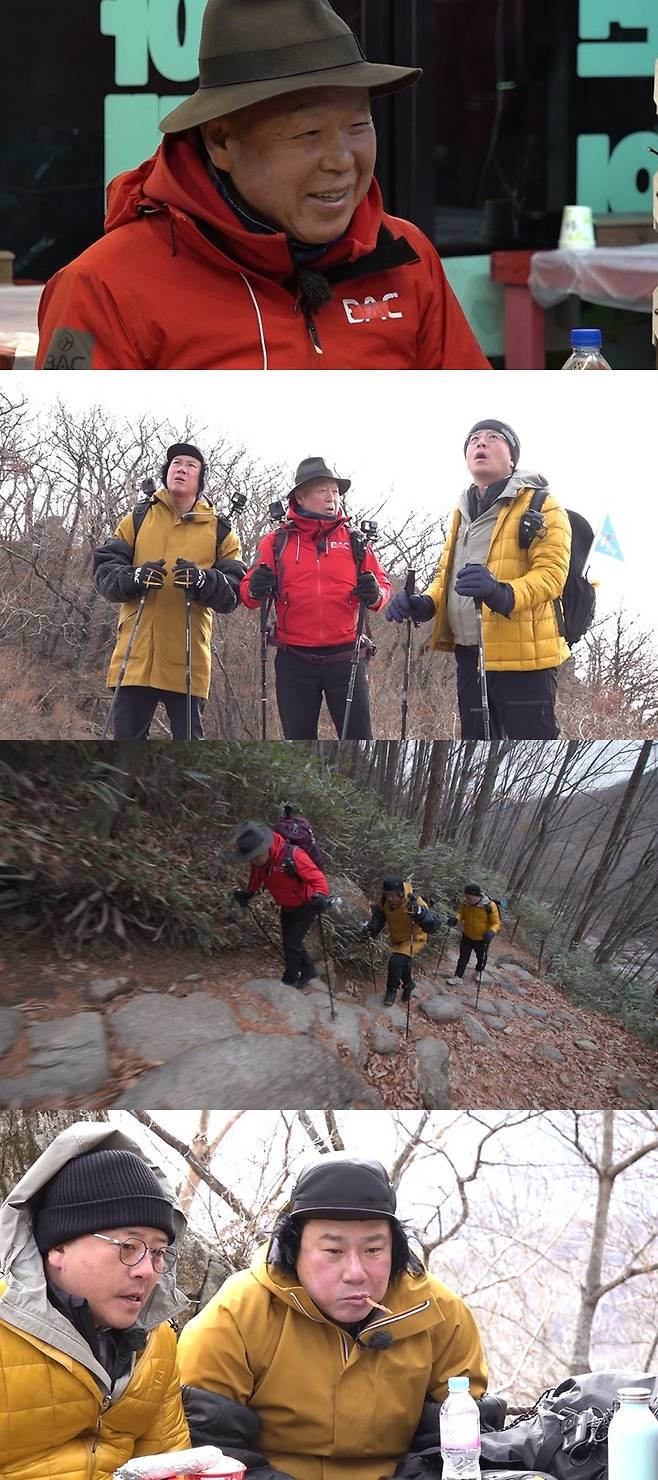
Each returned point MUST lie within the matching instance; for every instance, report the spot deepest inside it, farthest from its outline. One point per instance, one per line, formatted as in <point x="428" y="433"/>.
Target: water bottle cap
<point x="458" y="1384"/>
<point x="585" y="338"/>
<point x="634" y="1395"/>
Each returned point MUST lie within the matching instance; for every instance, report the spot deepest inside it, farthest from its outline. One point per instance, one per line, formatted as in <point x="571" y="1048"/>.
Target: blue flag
<point x="606" y="542"/>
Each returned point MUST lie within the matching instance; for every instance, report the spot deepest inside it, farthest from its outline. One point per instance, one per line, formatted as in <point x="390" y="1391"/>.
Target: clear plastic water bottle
<point x="633" y="1437"/>
<point x="460" y="1432"/>
<point x="586" y="351"/>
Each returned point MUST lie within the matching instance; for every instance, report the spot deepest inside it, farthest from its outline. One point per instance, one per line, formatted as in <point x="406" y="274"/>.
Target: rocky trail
<point x="161" y="1031"/>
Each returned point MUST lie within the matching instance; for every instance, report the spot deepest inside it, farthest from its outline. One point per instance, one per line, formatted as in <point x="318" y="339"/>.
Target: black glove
<point x="262" y="583"/>
<point x="320" y="902"/>
<point x="416" y="910"/>
<point x="367" y="588"/>
<point x="488" y="935"/>
<point x="452" y="920"/>
<point x="191" y="577"/>
<point x="476" y="581"/>
<point x="150" y="576"/>
<point x="402" y="607"/>
<point x="242" y="897"/>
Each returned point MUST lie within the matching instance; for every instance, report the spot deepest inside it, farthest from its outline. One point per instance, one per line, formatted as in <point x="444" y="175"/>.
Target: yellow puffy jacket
<point x="53" y="1423"/>
<point x="330" y="1409"/>
<point x="530" y="637"/>
<point x="157" y="660"/>
<point x="400" y="930"/>
<point x="58" y="1418"/>
<point x="478" y="918"/>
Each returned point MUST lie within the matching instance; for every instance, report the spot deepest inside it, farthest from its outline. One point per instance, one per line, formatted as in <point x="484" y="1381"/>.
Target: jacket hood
<point x="24" y="1303"/>
<point x="411" y="1299"/>
<point x="176" y="180"/>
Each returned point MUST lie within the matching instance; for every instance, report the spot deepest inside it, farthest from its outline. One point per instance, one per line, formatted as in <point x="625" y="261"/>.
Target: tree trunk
<point x="434" y="795"/>
<point x="24" y="1134"/>
<point x="609" y="851"/>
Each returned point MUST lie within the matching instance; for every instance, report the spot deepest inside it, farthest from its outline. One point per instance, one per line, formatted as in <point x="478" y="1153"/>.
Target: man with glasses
<point x="89" y="1376"/>
<point x="509" y="564"/>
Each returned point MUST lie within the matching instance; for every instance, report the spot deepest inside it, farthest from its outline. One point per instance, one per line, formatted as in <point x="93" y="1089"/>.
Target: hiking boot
<point x="306" y="978"/>
<point x="289" y="981"/>
<point x="453" y="981"/>
<point x="391" y="994"/>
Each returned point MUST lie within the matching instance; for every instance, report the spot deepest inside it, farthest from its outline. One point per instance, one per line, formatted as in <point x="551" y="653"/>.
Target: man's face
<point x="393" y="899"/>
<point x="488" y="457"/>
<point x="183" y="479"/>
<point x="319" y="498"/>
<point x="340" y="1262"/>
<point x="91" y="1268"/>
<point x="303" y="162"/>
<point x="260" y="859"/>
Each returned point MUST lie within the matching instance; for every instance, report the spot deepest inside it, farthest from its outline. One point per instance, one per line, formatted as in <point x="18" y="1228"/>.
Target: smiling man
<point x="171" y="548"/>
<point x="255" y="238"/>
<point x="88" y="1246"/>
<point x="334" y="1338"/>
<point x="512" y="562"/>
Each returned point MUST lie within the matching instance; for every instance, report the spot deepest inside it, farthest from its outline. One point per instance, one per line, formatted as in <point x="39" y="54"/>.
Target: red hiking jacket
<point x="284" y="887"/>
<point x="316" y="575"/>
<point x="178" y="282"/>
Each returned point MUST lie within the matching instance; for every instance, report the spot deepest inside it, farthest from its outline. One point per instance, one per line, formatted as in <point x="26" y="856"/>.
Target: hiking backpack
<point x="298" y="833"/>
<point x="575" y="608"/>
<point x="565" y="1433"/>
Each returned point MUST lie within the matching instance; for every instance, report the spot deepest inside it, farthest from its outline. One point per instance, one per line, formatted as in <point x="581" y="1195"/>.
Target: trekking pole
<point x="126" y="659"/>
<point x="440" y="955"/>
<point x="486" y="721"/>
<point x="372" y="961"/>
<point x="188" y="666"/>
<point x="411" y="962"/>
<point x="481" y="969"/>
<point x="409" y="587"/>
<point x="265" y="932"/>
<point x="265" y="605"/>
<point x="353" y="668"/>
<point x="326" y="965"/>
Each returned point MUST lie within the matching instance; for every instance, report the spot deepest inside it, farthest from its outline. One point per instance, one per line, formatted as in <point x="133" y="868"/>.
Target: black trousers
<point x="399" y="971"/>
<point x="301" y="687"/>
<point x="294" y="925"/>
<point x="521" y="705"/>
<point x="466" y="948"/>
<point x="136" y="706"/>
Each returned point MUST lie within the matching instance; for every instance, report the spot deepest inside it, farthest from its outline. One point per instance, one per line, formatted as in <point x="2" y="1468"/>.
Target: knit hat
<point x="393" y="884"/>
<point x="505" y="431"/>
<point x="100" y="1189"/>
<point x="473" y="889"/>
<point x="184" y="449"/>
<point x="341" y="1188"/>
<point x="251" y="839"/>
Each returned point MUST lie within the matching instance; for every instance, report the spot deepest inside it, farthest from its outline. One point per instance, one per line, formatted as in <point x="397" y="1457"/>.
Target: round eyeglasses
<point x="484" y="437"/>
<point x="133" y="1250"/>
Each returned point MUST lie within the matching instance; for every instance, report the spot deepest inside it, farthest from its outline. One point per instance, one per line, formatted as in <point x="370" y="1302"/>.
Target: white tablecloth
<point x="615" y="277"/>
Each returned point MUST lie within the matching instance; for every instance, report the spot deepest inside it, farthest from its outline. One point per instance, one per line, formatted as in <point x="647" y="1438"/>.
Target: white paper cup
<point x="577" y="232"/>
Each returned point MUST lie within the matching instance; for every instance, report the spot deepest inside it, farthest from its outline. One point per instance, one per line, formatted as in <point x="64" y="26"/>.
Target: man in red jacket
<point x="319" y="573"/>
<point x="256" y="238"/>
<point x="297" y="885"/>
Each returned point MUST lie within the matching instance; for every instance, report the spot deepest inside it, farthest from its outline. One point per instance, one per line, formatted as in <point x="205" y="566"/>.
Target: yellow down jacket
<point x="530" y="637"/>
<point x="330" y="1409"/>
<point x="478" y="918"/>
<point x="400" y="927"/>
<point x="157" y="659"/>
<point x="59" y="1420"/>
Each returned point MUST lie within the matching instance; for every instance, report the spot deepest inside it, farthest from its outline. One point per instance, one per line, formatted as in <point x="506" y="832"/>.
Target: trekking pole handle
<point x="410" y="583"/>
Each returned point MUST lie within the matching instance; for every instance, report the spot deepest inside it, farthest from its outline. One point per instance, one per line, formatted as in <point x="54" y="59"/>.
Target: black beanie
<point x="393" y="884"/>
<point x="342" y="1188"/>
<point x="183" y="449"/>
<point x="505" y="431"/>
<point x="472" y="889"/>
<point x="100" y="1189"/>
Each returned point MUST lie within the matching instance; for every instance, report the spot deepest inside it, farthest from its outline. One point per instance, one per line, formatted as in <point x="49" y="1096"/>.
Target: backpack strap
<point x="141" y="509"/>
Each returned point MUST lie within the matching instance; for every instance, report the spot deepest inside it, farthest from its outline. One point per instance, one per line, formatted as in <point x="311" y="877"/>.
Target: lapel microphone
<point x="379" y="1342"/>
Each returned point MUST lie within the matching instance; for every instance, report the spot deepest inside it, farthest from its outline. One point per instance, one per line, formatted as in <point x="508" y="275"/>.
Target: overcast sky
<point x="402" y="434"/>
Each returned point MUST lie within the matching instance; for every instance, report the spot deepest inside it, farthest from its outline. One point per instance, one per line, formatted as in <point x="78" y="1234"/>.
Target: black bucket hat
<point x="314" y="468"/>
<point x="473" y="889"/>
<point x="505" y="431"/>
<point x="251" y="839"/>
<point x="340" y="1188"/>
<point x="256" y="49"/>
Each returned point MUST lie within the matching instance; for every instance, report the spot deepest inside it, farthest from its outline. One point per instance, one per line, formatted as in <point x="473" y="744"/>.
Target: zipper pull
<point x="314" y="336"/>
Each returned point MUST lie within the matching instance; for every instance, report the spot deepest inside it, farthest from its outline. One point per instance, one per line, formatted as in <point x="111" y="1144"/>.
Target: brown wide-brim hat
<point x="314" y="470"/>
<point x="257" y="49"/>
<point x="252" y="838"/>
